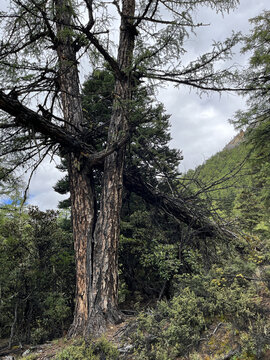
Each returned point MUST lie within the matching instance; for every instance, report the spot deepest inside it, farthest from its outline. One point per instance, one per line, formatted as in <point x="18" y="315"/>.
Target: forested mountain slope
<point x="220" y="308"/>
<point x="236" y="183"/>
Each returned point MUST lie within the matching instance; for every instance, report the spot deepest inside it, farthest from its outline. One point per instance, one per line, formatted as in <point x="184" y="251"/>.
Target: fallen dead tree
<point x="177" y="207"/>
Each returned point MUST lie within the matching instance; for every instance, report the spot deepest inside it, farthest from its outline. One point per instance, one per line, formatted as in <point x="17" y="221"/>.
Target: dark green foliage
<point x="97" y="104"/>
<point x="217" y="281"/>
<point x="62" y="185"/>
<point x="257" y="80"/>
<point x="221" y="176"/>
<point x="9" y="184"/>
<point x="236" y="186"/>
<point x="223" y="293"/>
<point x="37" y="275"/>
<point x="148" y="253"/>
<point x="171" y="329"/>
<point x="148" y="149"/>
<point x="177" y="327"/>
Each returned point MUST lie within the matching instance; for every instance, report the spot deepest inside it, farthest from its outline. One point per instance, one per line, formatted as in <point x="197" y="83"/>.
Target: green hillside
<point x="236" y="184"/>
<point x="220" y="304"/>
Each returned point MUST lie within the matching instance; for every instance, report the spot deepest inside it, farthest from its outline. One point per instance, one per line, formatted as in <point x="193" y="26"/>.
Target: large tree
<point x="43" y="45"/>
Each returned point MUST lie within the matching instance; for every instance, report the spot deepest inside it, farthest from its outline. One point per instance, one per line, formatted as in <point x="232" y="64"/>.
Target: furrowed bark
<point x="81" y="187"/>
<point x="83" y="218"/>
<point x="107" y="230"/>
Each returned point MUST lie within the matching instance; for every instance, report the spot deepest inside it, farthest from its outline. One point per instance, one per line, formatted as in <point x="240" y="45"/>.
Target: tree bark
<point x="83" y="219"/>
<point x="103" y="297"/>
<point x="96" y="240"/>
<point x="80" y="177"/>
<point x="12" y="330"/>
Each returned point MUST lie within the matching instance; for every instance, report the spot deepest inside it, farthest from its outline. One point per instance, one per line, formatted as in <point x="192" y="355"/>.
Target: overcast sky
<point x="200" y="126"/>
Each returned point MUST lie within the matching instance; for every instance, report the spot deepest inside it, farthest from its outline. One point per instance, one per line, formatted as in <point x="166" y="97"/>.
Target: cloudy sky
<point x="200" y="126"/>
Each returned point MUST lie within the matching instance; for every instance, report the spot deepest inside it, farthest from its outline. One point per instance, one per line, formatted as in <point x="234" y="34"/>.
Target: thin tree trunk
<point x="12" y="330"/>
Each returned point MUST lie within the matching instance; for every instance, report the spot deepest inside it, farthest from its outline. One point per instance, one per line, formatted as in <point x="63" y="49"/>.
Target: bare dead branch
<point x="178" y="208"/>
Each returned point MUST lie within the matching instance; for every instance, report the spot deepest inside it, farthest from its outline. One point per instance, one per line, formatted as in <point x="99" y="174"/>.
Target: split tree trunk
<point x="96" y="240"/>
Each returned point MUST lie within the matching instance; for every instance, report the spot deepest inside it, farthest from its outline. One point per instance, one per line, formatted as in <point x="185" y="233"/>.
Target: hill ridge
<point x="238" y="138"/>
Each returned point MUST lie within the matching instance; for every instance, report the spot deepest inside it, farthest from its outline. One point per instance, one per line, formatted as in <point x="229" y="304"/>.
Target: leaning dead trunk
<point x="178" y="208"/>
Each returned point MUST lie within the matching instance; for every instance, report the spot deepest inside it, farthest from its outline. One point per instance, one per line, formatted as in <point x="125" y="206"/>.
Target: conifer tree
<point x="257" y="81"/>
<point x="148" y="150"/>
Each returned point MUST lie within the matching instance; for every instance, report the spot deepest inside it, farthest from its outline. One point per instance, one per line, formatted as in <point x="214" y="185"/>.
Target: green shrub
<point x="171" y="329"/>
<point x="101" y="349"/>
<point x="176" y="328"/>
<point x="30" y="357"/>
<point x="39" y="334"/>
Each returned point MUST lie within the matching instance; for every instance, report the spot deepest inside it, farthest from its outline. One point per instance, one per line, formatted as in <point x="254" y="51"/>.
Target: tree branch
<point x="112" y="62"/>
<point x="192" y="82"/>
<point x="71" y="142"/>
<point x="28" y="118"/>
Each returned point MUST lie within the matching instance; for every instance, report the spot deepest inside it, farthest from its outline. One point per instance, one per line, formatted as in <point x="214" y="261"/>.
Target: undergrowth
<point x="179" y="327"/>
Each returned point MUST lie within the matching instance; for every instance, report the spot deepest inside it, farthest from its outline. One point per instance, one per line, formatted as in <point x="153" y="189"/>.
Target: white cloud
<point x="200" y="126"/>
<point x="41" y="191"/>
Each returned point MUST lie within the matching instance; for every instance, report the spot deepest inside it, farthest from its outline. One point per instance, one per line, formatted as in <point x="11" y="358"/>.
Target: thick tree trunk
<point x="96" y="241"/>
<point x="103" y="302"/>
<point x="83" y="220"/>
<point x="81" y="185"/>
